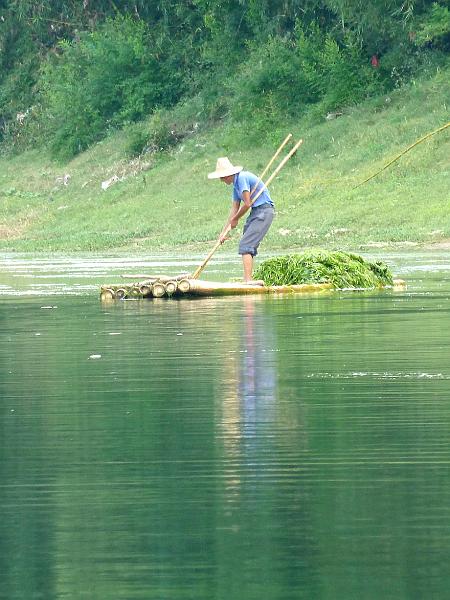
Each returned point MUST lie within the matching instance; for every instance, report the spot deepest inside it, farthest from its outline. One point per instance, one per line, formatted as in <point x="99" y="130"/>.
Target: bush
<point x="105" y="79"/>
<point x="283" y="77"/>
<point x="269" y="83"/>
<point x="166" y="128"/>
<point x="434" y="27"/>
<point x="16" y="87"/>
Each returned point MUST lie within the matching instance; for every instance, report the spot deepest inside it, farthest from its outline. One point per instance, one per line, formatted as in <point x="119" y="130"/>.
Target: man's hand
<point x="225" y="235"/>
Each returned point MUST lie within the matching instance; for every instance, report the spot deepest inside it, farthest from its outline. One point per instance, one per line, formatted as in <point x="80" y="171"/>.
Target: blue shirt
<point x="245" y="182"/>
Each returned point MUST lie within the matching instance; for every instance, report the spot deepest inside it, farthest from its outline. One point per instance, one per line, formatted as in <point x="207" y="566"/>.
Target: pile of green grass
<point x="342" y="269"/>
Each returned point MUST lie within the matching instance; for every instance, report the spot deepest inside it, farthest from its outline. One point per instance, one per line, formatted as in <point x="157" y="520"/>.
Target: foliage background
<point x="72" y="72"/>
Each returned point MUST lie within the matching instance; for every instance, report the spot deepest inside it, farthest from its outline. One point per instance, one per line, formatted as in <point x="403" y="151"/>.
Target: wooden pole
<point x="142" y="278"/>
<point x="280" y="166"/>
<point x="271" y="161"/>
<point x="228" y="229"/>
<point x="208" y="258"/>
<point x="419" y="141"/>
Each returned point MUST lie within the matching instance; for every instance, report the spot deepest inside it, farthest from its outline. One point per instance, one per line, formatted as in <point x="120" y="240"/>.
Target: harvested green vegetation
<point x="342" y="269"/>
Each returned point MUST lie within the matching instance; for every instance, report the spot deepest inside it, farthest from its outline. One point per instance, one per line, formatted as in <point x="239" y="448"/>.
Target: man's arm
<point x="226" y="229"/>
<point x="237" y="211"/>
<point x="245" y="207"/>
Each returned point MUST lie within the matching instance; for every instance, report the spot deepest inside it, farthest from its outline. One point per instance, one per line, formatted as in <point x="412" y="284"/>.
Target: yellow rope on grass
<point x="404" y="152"/>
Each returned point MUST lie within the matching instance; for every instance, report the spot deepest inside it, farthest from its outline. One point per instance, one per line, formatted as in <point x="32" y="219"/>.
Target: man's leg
<point x="247" y="263"/>
<point x="255" y="229"/>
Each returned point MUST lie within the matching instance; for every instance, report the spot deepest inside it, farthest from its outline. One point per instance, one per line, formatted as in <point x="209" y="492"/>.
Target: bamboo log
<point x="145" y="289"/>
<point x="106" y="294"/>
<point x="197" y="287"/>
<point x="399" y="284"/>
<point x="158" y="289"/>
<point x="120" y="293"/>
<point x="213" y="288"/>
<point x="135" y="291"/>
<point x="184" y="285"/>
<point x="171" y="287"/>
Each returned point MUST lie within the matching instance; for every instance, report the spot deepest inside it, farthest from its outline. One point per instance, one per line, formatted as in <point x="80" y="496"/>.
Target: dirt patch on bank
<point x="9" y="233"/>
<point x="404" y="244"/>
<point x="13" y="232"/>
<point x="442" y="245"/>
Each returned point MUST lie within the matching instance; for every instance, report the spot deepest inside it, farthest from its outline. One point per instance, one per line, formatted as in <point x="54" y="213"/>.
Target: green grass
<point x="172" y="204"/>
<point x="342" y="269"/>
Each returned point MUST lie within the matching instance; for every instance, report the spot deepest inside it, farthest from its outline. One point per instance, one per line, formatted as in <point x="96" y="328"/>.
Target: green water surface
<point x="225" y="448"/>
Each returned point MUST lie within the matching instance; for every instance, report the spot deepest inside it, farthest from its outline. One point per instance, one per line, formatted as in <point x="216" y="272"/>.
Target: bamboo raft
<point x="183" y="286"/>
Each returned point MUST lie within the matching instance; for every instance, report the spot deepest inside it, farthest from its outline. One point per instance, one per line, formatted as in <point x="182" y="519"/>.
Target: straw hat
<point x="224" y="168"/>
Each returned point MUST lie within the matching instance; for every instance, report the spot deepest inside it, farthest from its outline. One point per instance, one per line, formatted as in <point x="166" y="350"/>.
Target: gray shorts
<point x="255" y="228"/>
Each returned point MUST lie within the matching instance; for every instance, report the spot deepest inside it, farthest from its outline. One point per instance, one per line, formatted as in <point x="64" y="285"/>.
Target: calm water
<point x="229" y="448"/>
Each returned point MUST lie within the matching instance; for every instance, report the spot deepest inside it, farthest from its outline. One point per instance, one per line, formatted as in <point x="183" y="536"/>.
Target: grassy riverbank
<point x="166" y="202"/>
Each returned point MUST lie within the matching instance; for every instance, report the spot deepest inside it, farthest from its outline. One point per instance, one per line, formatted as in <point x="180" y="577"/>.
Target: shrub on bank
<point x="106" y="78"/>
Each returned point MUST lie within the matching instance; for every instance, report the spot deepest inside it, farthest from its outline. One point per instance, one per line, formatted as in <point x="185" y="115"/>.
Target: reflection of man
<point x="249" y="410"/>
<point x="263" y="515"/>
<point x="257" y="377"/>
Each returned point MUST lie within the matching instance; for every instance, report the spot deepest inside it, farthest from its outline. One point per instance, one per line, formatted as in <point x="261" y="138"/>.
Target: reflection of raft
<point x="157" y="288"/>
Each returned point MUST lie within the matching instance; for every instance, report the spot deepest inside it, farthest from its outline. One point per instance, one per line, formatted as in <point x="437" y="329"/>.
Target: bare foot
<point x="254" y="282"/>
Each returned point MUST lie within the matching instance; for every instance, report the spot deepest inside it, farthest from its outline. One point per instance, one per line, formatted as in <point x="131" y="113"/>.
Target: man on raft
<point x="246" y="186"/>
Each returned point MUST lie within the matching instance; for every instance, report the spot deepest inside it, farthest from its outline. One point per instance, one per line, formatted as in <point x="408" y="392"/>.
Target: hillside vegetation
<point x="111" y="117"/>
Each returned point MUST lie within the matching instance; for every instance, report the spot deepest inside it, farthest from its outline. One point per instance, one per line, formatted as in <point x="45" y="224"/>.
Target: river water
<point x="224" y="448"/>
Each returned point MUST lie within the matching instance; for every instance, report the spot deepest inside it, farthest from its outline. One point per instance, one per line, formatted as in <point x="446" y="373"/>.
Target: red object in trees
<point x="374" y="61"/>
